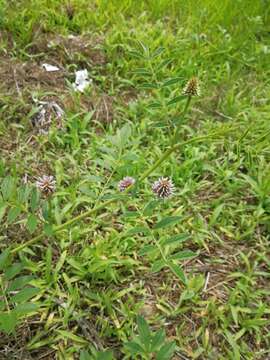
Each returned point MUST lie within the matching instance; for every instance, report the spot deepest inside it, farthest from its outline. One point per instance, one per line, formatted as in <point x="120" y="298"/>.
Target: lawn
<point x="135" y="210"/>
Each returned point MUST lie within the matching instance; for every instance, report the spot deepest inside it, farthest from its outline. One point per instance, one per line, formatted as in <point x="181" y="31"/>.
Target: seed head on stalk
<point x="46" y="184"/>
<point x="163" y="187"/>
<point x="125" y="183"/>
<point x="192" y="87"/>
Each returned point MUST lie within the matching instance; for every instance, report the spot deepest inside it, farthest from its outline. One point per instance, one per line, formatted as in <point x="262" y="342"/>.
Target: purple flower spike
<point x="46" y="184"/>
<point x="163" y="187"/>
<point x="125" y="183"/>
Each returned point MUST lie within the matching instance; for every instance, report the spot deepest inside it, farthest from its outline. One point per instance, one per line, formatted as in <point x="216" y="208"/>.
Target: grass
<point x="82" y="292"/>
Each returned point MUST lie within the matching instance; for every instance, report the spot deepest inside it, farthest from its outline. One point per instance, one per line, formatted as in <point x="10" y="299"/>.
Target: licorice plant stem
<point x="173" y="147"/>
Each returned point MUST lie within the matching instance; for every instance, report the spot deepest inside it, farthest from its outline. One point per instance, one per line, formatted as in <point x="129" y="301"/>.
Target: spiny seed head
<point x="46" y="184"/>
<point x="192" y="88"/>
<point x="125" y="183"/>
<point x="163" y="187"/>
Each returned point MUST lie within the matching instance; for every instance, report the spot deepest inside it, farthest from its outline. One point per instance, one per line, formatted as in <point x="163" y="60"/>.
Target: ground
<point x="92" y="279"/>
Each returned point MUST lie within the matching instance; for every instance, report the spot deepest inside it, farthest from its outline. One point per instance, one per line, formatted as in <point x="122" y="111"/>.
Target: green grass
<point x="91" y="280"/>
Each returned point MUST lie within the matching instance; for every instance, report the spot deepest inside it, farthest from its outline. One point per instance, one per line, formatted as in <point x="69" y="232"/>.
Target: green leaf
<point x="20" y="194"/>
<point x="142" y="71"/>
<point x="48" y="268"/>
<point x="176" y="240"/>
<point x="164" y="63"/>
<point x="138" y="230"/>
<point x="2" y="305"/>
<point x="4" y="259"/>
<point x="7" y="187"/>
<point x="124" y="134"/>
<point x="84" y="355"/>
<point x="183" y="255"/>
<point x="24" y="193"/>
<point x="20" y="282"/>
<point x="32" y="222"/>
<point x="48" y="229"/>
<point x="166" y="352"/>
<point x="178" y="272"/>
<point x="158" y="265"/>
<point x="105" y="355"/>
<point x="168" y="221"/>
<point x="26" y="308"/>
<point x="13" y="270"/>
<point x="176" y="100"/>
<point x="136" y="54"/>
<point x="234" y="312"/>
<point x="255" y="323"/>
<point x="34" y="200"/>
<point x="2" y="162"/>
<point x="186" y="295"/>
<point x="144" y="331"/>
<point x="157" y="340"/>
<point x="239" y="334"/>
<point x="25" y="294"/>
<point x="8" y="321"/>
<point x="148" y="86"/>
<point x="157" y="52"/>
<point x="77" y="265"/>
<point x="159" y="125"/>
<point x="115" y="196"/>
<point x="134" y="348"/>
<point x="150" y="207"/>
<point x="233" y="344"/>
<point x="69" y="335"/>
<point x="144" y="48"/>
<point x="3" y="208"/>
<point x="13" y="213"/>
<point x="147" y="249"/>
<point x="131" y="214"/>
<point x="61" y="261"/>
<point x="45" y="211"/>
<point x="154" y="105"/>
<point x="172" y="81"/>
<point x="216" y="214"/>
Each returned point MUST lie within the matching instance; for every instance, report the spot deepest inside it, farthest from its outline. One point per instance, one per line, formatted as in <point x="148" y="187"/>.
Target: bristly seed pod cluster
<point x="192" y="87"/>
<point x="125" y="183"/>
<point x="163" y="187"/>
<point x="46" y="184"/>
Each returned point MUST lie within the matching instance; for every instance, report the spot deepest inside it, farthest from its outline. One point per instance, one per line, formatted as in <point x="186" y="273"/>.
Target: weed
<point x="79" y="266"/>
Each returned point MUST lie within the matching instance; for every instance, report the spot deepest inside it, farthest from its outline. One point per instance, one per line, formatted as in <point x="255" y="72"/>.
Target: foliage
<point x="196" y="266"/>
<point x="16" y="293"/>
<point x="148" y="344"/>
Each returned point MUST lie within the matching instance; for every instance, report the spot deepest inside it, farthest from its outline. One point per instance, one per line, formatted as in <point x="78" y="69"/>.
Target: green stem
<point x="168" y="153"/>
<point x="171" y="148"/>
<point x="64" y="225"/>
<point x="175" y="138"/>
